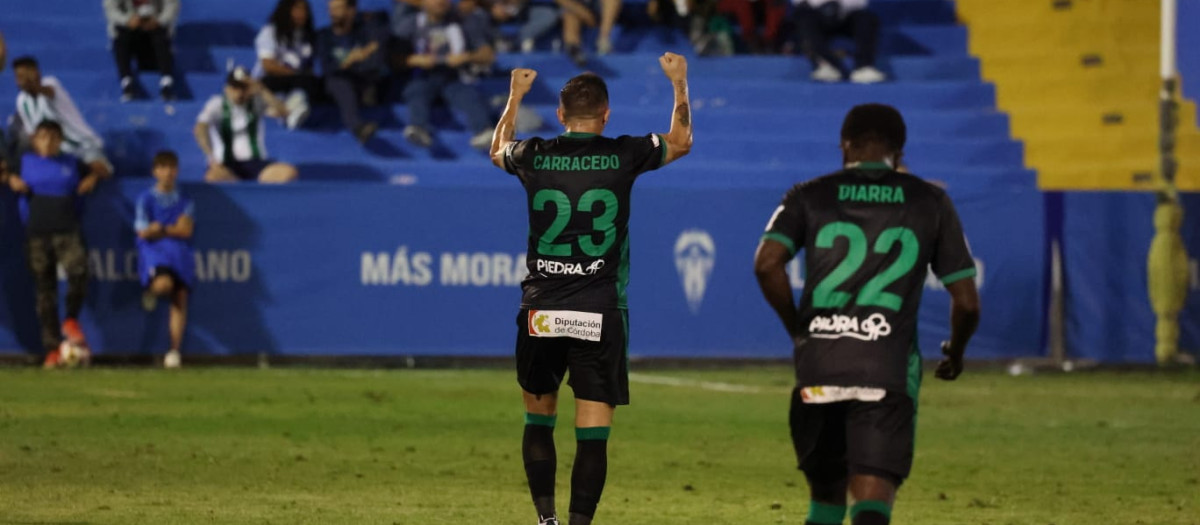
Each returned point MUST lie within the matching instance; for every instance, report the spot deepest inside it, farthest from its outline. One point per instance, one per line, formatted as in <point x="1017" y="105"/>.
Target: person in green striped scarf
<point x="230" y="132"/>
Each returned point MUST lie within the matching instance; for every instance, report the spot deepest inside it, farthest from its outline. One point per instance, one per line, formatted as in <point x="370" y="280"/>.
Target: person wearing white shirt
<point x="818" y="21"/>
<point x="45" y="98"/>
<point x="286" y="49"/>
<point x="230" y="132"/>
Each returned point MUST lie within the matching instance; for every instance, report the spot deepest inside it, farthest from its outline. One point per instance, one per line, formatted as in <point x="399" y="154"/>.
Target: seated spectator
<point x="579" y="13"/>
<point x="402" y="9"/>
<point x="45" y="98"/>
<point x="352" y="60"/>
<point x="818" y="21"/>
<point x="537" y="17"/>
<point x="50" y="184"/>
<point x="750" y="14"/>
<point x="440" y="58"/>
<point x="709" y="33"/>
<point x="165" y="219"/>
<point x="230" y="132"/>
<point x="286" y="49"/>
<point x="143" y="28"/>
<point x="477" y="23"/>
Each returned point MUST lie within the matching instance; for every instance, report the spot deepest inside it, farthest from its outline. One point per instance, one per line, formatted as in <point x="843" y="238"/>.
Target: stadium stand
<point x="1080" y="80"/>
<point x="763" y="122"/>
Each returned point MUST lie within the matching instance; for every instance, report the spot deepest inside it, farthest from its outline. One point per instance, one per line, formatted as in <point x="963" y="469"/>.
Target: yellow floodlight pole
<point x="1167" y="271"/>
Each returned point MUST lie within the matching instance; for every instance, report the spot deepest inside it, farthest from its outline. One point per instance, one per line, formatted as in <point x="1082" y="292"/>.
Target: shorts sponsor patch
<point x="565" y="323"/>
<point x="816" y="395"/>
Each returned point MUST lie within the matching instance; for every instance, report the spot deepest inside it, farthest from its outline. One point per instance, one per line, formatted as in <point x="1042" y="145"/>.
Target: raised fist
<point x="522" y="81"/>
<point x="675" y="66"/>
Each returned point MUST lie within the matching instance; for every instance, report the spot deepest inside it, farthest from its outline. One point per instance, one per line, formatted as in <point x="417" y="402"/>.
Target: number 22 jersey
<point x="578" y="189"/>
<point x="869" y="235"/>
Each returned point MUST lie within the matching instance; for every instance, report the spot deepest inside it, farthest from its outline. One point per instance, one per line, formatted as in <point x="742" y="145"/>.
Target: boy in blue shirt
<point x="164" y="224"/>
<point x="50" y="184"/>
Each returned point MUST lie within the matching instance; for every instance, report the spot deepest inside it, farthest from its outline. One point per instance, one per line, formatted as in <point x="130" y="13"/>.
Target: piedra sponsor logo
<point x="568" y="268"/>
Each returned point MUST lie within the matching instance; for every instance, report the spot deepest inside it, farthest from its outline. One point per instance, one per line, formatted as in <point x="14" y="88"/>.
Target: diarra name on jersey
<point x="415" y="268"/>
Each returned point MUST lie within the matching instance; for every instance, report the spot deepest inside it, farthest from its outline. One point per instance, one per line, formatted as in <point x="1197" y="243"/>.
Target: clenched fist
<point x="675" y="66"/>
<point x="522" y="81"/>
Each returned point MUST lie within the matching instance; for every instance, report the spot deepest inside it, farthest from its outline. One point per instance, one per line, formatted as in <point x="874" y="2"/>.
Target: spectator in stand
<point x="579" y="13"/>
<point x="477" y="23"/>
<point x="750" y="14"/>
<point x="50" y="185"/>
<point x="143" y="28"/>
<point x="402" y="9"/>
<point x="441" y="59"/>
<point x="818" y="21"/>
<point x="352" y="59"/>
<point x="164" y="225"/>
<point x="45" y="98"/>
<point x="230" y="132"/>
<point x="536" y="17"/>
<point x="286" y="49"/>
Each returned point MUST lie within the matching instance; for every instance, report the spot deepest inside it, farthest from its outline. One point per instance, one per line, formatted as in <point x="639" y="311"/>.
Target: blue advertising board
<point x="353" y="269"/>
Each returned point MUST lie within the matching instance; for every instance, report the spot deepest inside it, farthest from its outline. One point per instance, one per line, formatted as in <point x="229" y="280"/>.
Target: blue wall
<point x="367" y="269"/>
<point x="1106" y="238"/>
<point x="1188" y="47"/>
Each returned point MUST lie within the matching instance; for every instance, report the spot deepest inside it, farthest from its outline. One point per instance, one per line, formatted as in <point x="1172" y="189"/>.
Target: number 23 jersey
<point x="578" y="189"/>
<point x="870" y="235"/>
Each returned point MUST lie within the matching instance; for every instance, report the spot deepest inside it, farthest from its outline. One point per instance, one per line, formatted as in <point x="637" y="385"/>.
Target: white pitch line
<point x="703" y="385"/>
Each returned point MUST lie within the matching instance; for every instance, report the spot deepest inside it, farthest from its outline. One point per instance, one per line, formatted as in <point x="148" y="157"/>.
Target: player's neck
<point x="163" y="188"/>
<point x="588" y="127"/>
<point x="857" y="157"/>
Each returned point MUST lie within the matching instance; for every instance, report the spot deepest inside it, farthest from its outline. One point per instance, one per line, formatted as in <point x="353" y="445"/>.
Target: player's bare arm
<point x="770" y="263"/>
<point x="506" y="129"/>
<point x="679" y="139"/>
<point x="182" y="229"/>
<point x="964" y="318"/>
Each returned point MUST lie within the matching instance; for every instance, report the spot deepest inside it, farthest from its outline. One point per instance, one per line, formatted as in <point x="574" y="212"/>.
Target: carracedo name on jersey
<point x="584" y="163"/>
<point x="565" y="323"/>
<point x="872" y="328"/>
<point x="567" y="268"/>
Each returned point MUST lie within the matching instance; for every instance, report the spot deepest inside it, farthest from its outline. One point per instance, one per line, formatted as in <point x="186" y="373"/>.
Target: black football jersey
<point x="869" y="236"/>
<point x="578" y="189"/>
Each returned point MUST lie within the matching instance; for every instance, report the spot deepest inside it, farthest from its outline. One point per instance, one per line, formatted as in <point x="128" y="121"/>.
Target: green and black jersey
<point x="578" y="187"/>
<point x="869" y="235"/>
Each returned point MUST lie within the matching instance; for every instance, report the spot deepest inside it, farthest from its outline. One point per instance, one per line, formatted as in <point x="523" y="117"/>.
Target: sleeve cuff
<point x="782" y="239"/>
<point x="958" y="276"/>
<point x="662" y="139"/>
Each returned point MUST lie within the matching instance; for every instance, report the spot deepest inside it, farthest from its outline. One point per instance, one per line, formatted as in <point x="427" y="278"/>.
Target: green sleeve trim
<point x="826" y="514"/>
<point x="781" y="239"/>
<point x="540" y="420"/>
<point x="662" y="139"/>
<point x="592" y="433"/>
<point x="870" y="506"/>
<point x="958" y="276"/>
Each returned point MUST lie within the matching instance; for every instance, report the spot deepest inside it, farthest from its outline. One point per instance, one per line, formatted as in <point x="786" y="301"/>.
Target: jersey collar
<point x="577" y="135"/>
<point x="868" y="166"/>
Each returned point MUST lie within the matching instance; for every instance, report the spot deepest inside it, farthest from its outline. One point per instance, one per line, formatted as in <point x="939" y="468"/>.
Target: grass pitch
<point x="114" y="446"/>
